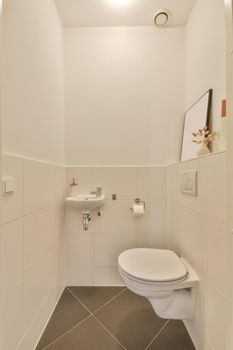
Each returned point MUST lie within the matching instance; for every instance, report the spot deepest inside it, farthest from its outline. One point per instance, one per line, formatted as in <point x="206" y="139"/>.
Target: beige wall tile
<point x="152" y="183"/>
<point x="117" y="217"/>
<point x="192" y="238"/>
<point x="108" y="246"/>
<point x="152" y="240"/>
<point x="39" y="282"/>
<point x="39" y="185"/>
<point x="216" y="187"/>
<point x="219" y="261"/>
<point x="80" y="277"/>
<point x="11" y="254"/>
<point x="217" y="317"/>
<point x="38" y="235"/>
<point x="12" y="204"/>
<point x="12" y="317"/>
<point x="80" y="250"/>
<point x="122" y="181"/>
<point x="107" y="276"/>
<point x="154" y="219"/>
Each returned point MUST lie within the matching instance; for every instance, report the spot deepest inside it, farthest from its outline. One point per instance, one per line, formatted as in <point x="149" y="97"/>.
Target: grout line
<point x="200" y="212"/>
<point x="93" y="314"/>
<point x="156" y="336"/>
<point x="116" y="296"/>
<point x="77" y="299"/>
<point x="216" y="289"/>
<point x="68" y="166"/>
<point x="108" y="331"/>
<point x="47" y="322"/>
<point x="70" y="330"/>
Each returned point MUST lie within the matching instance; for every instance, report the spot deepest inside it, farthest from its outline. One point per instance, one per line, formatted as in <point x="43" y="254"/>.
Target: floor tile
<point x="68" y="313"/>
<point x="174" y="336"/>
<point x="131" y="319"/>
<point x="95" y="297"/>
<point x="89" y="335"/>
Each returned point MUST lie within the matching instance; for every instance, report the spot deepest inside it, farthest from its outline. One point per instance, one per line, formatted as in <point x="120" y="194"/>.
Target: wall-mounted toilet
<point x="166" y="280"/>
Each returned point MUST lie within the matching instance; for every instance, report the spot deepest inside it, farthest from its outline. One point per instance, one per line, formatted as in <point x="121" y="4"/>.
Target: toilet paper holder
<point x="139" y="201"/>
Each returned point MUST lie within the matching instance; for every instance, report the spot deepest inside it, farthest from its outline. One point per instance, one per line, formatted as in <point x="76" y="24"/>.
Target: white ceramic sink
<point x="85" y="201"/>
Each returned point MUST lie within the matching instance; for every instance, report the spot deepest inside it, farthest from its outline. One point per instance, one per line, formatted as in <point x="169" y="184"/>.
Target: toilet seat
<point x="166" y="280"/>
<point x="152" y="265"/>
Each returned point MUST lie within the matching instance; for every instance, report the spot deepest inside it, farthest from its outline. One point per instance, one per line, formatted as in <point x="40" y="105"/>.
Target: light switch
<point x="189" y="183"/>
<point x="8" y="184"/>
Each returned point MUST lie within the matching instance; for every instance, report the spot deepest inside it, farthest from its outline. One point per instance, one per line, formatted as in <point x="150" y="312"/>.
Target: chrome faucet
<point x="98" y="192"/>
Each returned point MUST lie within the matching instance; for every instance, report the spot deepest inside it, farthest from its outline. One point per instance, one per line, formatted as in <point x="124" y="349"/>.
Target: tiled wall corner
<point x="198" y="231"/>
<point x="32" y="249"/>
<point x="116" y="230"/>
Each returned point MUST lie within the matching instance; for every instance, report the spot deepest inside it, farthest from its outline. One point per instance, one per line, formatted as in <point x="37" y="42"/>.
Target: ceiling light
<point x="120" y="2"/>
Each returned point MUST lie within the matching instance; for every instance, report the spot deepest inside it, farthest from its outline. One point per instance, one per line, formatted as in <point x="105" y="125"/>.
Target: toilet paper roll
<point x="138" y="210"/>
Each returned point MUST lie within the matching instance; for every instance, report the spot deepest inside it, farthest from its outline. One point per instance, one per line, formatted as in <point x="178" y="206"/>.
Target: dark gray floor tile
<point x="67" y="314"/>
<point x="89" y="335"/>
<point x="131" y="319"/>
<point x="173" y="337"/>
<point x="95" y="297"/>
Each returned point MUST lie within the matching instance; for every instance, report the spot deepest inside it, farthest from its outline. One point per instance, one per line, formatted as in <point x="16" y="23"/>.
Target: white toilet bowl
<point x="166" y="280"/>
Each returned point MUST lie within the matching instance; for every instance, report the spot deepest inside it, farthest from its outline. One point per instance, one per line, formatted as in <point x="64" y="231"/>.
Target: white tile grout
<point x="157" y="334"/>
<point x="70" y="330"/>
<point x="86" y="318"/>
<point x="93" y="314"/>
<point x="107" y="330"/>
<point x="123" y="291"/>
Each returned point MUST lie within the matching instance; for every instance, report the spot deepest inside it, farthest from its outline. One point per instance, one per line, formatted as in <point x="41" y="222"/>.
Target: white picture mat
<point x="196" y="118"/>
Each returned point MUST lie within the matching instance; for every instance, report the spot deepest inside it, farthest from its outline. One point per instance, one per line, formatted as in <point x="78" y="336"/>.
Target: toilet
<point x="164" y="278"/>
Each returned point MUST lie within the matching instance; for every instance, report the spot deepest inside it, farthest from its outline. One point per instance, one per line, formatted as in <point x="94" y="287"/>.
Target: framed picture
<point x="197" y="117"/>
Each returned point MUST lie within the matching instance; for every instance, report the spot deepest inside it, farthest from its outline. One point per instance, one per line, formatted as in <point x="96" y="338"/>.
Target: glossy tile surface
<point x="110" y="318"/>
<point x="88" y="335"/>
<point x="68" y="313"/>
<point x="174" y="336"/>
<point x="131" y="314"/>
<point x="94" y="298"/>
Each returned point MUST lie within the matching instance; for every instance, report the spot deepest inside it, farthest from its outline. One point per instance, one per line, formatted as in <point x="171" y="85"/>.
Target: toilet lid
<point x="152" y="264"/>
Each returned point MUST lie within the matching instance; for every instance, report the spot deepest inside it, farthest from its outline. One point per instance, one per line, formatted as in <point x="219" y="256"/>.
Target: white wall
<point x="229" y="25"/>
<point x="206" y="55"/>
<point x="124" y="91"/>
<point x="197" y="230"/>
<point x="33" y="80"/>
<point x="31" y="239"/>
<point x="92" y="255"/>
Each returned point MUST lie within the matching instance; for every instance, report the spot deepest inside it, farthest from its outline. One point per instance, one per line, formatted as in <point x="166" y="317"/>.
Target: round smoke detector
<point x="161" y="18"/>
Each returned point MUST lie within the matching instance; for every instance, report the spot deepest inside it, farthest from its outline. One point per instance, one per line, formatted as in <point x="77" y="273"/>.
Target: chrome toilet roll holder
<point x="138" y="201"/>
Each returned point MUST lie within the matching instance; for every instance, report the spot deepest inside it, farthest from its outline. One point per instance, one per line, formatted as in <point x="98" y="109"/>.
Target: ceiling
<point x="75" y="13"/>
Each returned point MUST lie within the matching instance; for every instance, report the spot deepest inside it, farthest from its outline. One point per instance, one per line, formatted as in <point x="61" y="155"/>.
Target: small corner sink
<point x="85" y="201"/>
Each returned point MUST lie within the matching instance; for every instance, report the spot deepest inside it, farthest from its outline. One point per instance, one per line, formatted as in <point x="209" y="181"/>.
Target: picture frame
<point x="196" y="117"/>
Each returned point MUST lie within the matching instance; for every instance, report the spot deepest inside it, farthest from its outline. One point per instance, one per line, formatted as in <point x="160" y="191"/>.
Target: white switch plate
<point x="8" y="185"/>
<point x="189" y="182"/>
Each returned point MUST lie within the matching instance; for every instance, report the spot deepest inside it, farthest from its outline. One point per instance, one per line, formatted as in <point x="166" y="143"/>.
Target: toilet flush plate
<point x="189" y="182"/>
